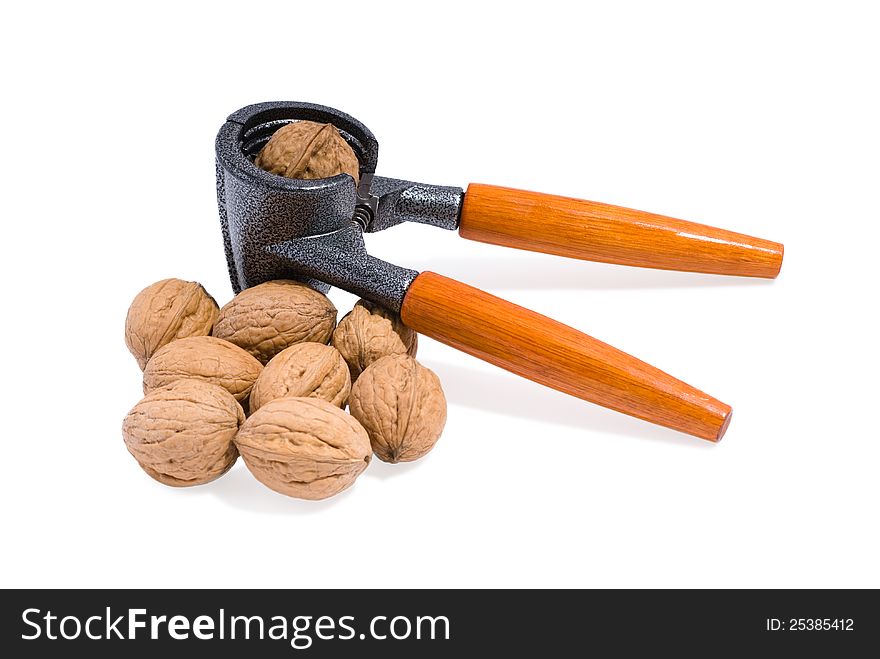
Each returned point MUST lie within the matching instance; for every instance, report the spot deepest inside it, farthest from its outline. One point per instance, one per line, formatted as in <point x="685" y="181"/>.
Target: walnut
<point x="167" y="310"/>
<point x="305" y="149"/>
<point x="310" y="370"/>
<point x="266" y="319"/>
<point x="369" y="332"/>
<point x="304" y="447"/>
<point x="182" y="434"/>
<point x="203" y="358"/>
<point x="402" y="407"/>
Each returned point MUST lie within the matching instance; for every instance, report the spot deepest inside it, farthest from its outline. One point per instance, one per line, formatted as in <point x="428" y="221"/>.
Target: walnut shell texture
<point x="304" y="370"/>
<point x="182" y="434"/>
<point x="369" y="332"/>
<point x="269" y="317"/>
<point x="305" y="149"/>
<point x="167" y="310"/>
<point x="304" y="447"/>
<point x="401" y="405"/>
<point x="203" y="358"/>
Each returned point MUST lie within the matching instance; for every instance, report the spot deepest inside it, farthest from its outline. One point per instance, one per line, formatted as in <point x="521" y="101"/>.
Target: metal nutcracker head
<point x="311" y="230"/>
<point x="259" y="209"/>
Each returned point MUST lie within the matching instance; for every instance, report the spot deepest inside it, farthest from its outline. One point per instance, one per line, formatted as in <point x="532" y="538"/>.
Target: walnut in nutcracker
<point x="311" y="370"/>
<point x="304" y="447"/>
<point x="401" y="405"/>
<point x="182" y="434"/>
<point x="266" y="319"/>
<point x="204" y="358"/>
<point x="306" y="149"/>
<point x="167" y="310"/>
<point x="368" y="333"/>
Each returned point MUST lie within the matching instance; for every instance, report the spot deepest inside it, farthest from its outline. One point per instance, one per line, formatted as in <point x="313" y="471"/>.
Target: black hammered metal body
<point x="259" y="209"/>
<point x="311" y="230"/>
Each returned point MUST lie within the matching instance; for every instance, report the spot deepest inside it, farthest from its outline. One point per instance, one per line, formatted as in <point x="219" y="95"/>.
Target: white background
<point x="759" y="117"/>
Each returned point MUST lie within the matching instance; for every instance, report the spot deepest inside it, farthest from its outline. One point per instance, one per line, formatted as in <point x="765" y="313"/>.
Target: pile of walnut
<point x="268" y="377"/>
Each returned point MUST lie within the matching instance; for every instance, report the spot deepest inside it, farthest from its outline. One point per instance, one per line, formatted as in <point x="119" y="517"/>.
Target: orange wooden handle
<point x="600" y="232"/>
<point x="556" y="355"/>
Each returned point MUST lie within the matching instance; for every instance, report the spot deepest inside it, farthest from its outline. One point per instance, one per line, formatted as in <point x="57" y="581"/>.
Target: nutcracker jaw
<point x="259" y="209"/>
<point x="280" y="228"/>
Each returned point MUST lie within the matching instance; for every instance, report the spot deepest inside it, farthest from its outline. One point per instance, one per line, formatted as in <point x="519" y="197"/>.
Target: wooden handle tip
<point x="777" y="261"/>
<point x="724" y="425"/>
